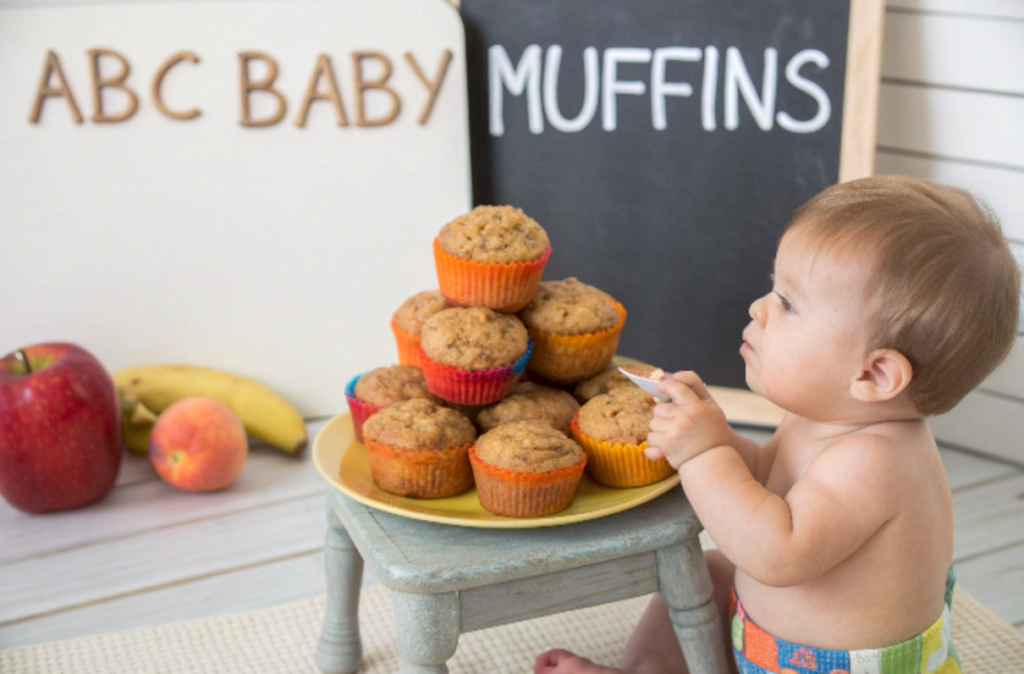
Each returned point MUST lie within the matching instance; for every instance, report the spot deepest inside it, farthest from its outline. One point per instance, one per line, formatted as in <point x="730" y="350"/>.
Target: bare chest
<point x="789" y="463"/>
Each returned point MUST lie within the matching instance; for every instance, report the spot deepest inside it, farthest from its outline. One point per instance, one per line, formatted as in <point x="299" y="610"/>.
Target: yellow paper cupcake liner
<point x="568" y="359"/>
<point x="619" y="465"/>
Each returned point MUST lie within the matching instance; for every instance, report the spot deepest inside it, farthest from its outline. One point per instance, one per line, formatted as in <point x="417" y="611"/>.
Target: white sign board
<point x="252" y="186"/>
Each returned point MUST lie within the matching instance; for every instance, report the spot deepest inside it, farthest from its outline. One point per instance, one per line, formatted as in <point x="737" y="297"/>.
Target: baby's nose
<point x="758" y="310"/>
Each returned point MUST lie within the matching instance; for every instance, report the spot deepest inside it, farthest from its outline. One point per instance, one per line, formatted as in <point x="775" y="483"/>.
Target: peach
<point x="198" y="444"/>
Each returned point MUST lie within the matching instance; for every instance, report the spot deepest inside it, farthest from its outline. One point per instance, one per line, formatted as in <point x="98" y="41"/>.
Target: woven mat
<point x="283" y="640"/>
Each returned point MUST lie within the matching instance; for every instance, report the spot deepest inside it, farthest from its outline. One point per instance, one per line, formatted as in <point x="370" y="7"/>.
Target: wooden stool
<point x="446" y="580"/>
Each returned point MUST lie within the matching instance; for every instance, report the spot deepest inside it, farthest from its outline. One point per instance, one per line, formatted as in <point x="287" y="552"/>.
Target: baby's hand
<point x="689" y="425"/>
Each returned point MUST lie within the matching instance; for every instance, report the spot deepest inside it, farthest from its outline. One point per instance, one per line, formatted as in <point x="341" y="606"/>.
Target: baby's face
<point x="807" y="339"/>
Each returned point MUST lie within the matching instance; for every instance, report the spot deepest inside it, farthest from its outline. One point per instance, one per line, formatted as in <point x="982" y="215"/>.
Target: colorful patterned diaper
<point x="757" y="652"/>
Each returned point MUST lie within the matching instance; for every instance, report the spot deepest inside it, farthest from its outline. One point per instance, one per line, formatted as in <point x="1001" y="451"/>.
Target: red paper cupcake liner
<point x="360" y="411"/>
<point x="517" y="493"/>
<point x="502" y="286"/>
<point x="472" y="387"/>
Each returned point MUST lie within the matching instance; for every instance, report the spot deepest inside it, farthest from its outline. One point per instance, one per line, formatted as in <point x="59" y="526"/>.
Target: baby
<point x="892" y="298"/>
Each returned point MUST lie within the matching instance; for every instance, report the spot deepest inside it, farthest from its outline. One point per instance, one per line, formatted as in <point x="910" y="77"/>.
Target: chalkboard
<point x="664" y="144"/>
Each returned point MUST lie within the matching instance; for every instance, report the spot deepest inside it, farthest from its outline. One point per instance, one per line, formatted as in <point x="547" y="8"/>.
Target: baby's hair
<point x="945" y="286"/>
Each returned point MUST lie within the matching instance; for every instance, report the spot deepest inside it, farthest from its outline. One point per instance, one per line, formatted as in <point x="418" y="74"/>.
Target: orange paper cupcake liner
<point x="619" y="465"/>
<point x="360" y="411"/>
<point x="420" y="473"/>
<point x="408" y="345"/>
<point x="503" y="286"/>
<point x="568" y="359"/>
<point x="517" y="493"/>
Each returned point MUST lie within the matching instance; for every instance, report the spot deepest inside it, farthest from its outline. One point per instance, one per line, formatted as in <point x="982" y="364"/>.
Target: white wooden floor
<point x="149" y="554"/>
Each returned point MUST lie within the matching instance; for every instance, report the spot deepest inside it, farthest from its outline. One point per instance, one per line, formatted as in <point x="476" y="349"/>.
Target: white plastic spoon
<point x="648" y="383"/>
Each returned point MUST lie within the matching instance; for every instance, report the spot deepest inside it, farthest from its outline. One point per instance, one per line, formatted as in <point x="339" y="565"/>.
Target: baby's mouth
<point x="746" y="343"/>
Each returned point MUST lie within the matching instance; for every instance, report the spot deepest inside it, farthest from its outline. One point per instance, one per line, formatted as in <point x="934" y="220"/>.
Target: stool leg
<point x="339" y="650"/>
<point x="427" y="630"/>
<point x="685" y="585"/>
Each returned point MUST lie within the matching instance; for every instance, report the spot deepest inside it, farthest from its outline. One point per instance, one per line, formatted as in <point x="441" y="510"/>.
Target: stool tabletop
<point x="411" y="555"/>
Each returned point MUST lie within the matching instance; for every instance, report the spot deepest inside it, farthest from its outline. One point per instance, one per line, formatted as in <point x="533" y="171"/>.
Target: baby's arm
<point x="748" y="449"/>
<point x="847" y="493"/>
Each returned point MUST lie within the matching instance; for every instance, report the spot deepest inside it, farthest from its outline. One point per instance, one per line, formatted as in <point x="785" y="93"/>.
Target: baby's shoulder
<point x="883" y="455"/>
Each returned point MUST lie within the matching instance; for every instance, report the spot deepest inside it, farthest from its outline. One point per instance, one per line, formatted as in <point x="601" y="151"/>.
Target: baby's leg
<point x="653" y="646"/>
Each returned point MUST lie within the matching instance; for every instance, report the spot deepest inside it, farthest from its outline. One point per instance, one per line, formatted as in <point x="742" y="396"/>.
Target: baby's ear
<point x="886" y="374"/>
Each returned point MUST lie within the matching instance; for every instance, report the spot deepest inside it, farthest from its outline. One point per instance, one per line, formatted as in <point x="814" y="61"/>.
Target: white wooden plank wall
<point x="951" y="110"/>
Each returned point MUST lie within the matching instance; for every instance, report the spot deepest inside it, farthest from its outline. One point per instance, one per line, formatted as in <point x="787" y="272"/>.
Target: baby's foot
<point x="558" y="661"/>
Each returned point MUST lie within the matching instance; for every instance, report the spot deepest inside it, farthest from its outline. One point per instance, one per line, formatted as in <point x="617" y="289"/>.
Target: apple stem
<point x="23" y="359"/>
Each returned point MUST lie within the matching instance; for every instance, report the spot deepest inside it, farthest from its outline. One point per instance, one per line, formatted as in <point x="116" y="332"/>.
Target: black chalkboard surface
<point x="663" y="145"/>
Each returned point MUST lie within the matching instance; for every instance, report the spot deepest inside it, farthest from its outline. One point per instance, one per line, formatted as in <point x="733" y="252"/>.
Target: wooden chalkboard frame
<point x="860" y="101"/>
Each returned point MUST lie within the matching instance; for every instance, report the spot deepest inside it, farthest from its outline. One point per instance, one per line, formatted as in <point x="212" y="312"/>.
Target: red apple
<point x="60" y="428"/>
<point x="198" y="444"/>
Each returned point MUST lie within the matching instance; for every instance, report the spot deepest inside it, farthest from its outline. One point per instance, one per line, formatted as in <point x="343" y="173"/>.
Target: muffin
<point x="575" y="329"/>
<point x="603" y="382"/>
<point x="420" y="449"/>
<point x="491" y="257"/>
<point x="384" y="386"/>
<point x="407" y="323"/>
<point x="469" y="411"/>
<point x="612" y="428"/>
<point x="526" y="469"/>
<point x="531" y="402"/>
<point x="473" y="356"/>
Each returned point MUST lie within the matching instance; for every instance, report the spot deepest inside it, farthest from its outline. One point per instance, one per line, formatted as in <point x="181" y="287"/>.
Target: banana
<point x="136" y="422"/>
<point x="265" y="415"/>
<point x="136" y="438"/>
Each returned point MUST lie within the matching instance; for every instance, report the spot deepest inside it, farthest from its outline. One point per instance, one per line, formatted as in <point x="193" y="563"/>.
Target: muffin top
<point x="494" y="234"/>
<point x="389" y="385"/>
<point x="473" y="339"/>
<point x="529" y="446"/>
<point x="621" y="416"/>
<point x="602" y="382"/>
<point x="415" y="311"/>
<point x="419" y="424"/>
<point x="569" y="307"/>
<point x="531" y="402"/>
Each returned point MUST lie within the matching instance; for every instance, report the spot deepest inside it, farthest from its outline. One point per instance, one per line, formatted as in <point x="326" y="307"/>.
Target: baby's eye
<point x="785" y="303"/>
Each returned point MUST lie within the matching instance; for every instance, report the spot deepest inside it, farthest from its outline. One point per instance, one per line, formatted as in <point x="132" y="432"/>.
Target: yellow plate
<point x="346" y="465"/>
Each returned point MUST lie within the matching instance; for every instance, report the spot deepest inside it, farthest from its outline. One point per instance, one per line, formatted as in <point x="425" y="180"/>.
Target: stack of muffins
<point x="454" y="411"/>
